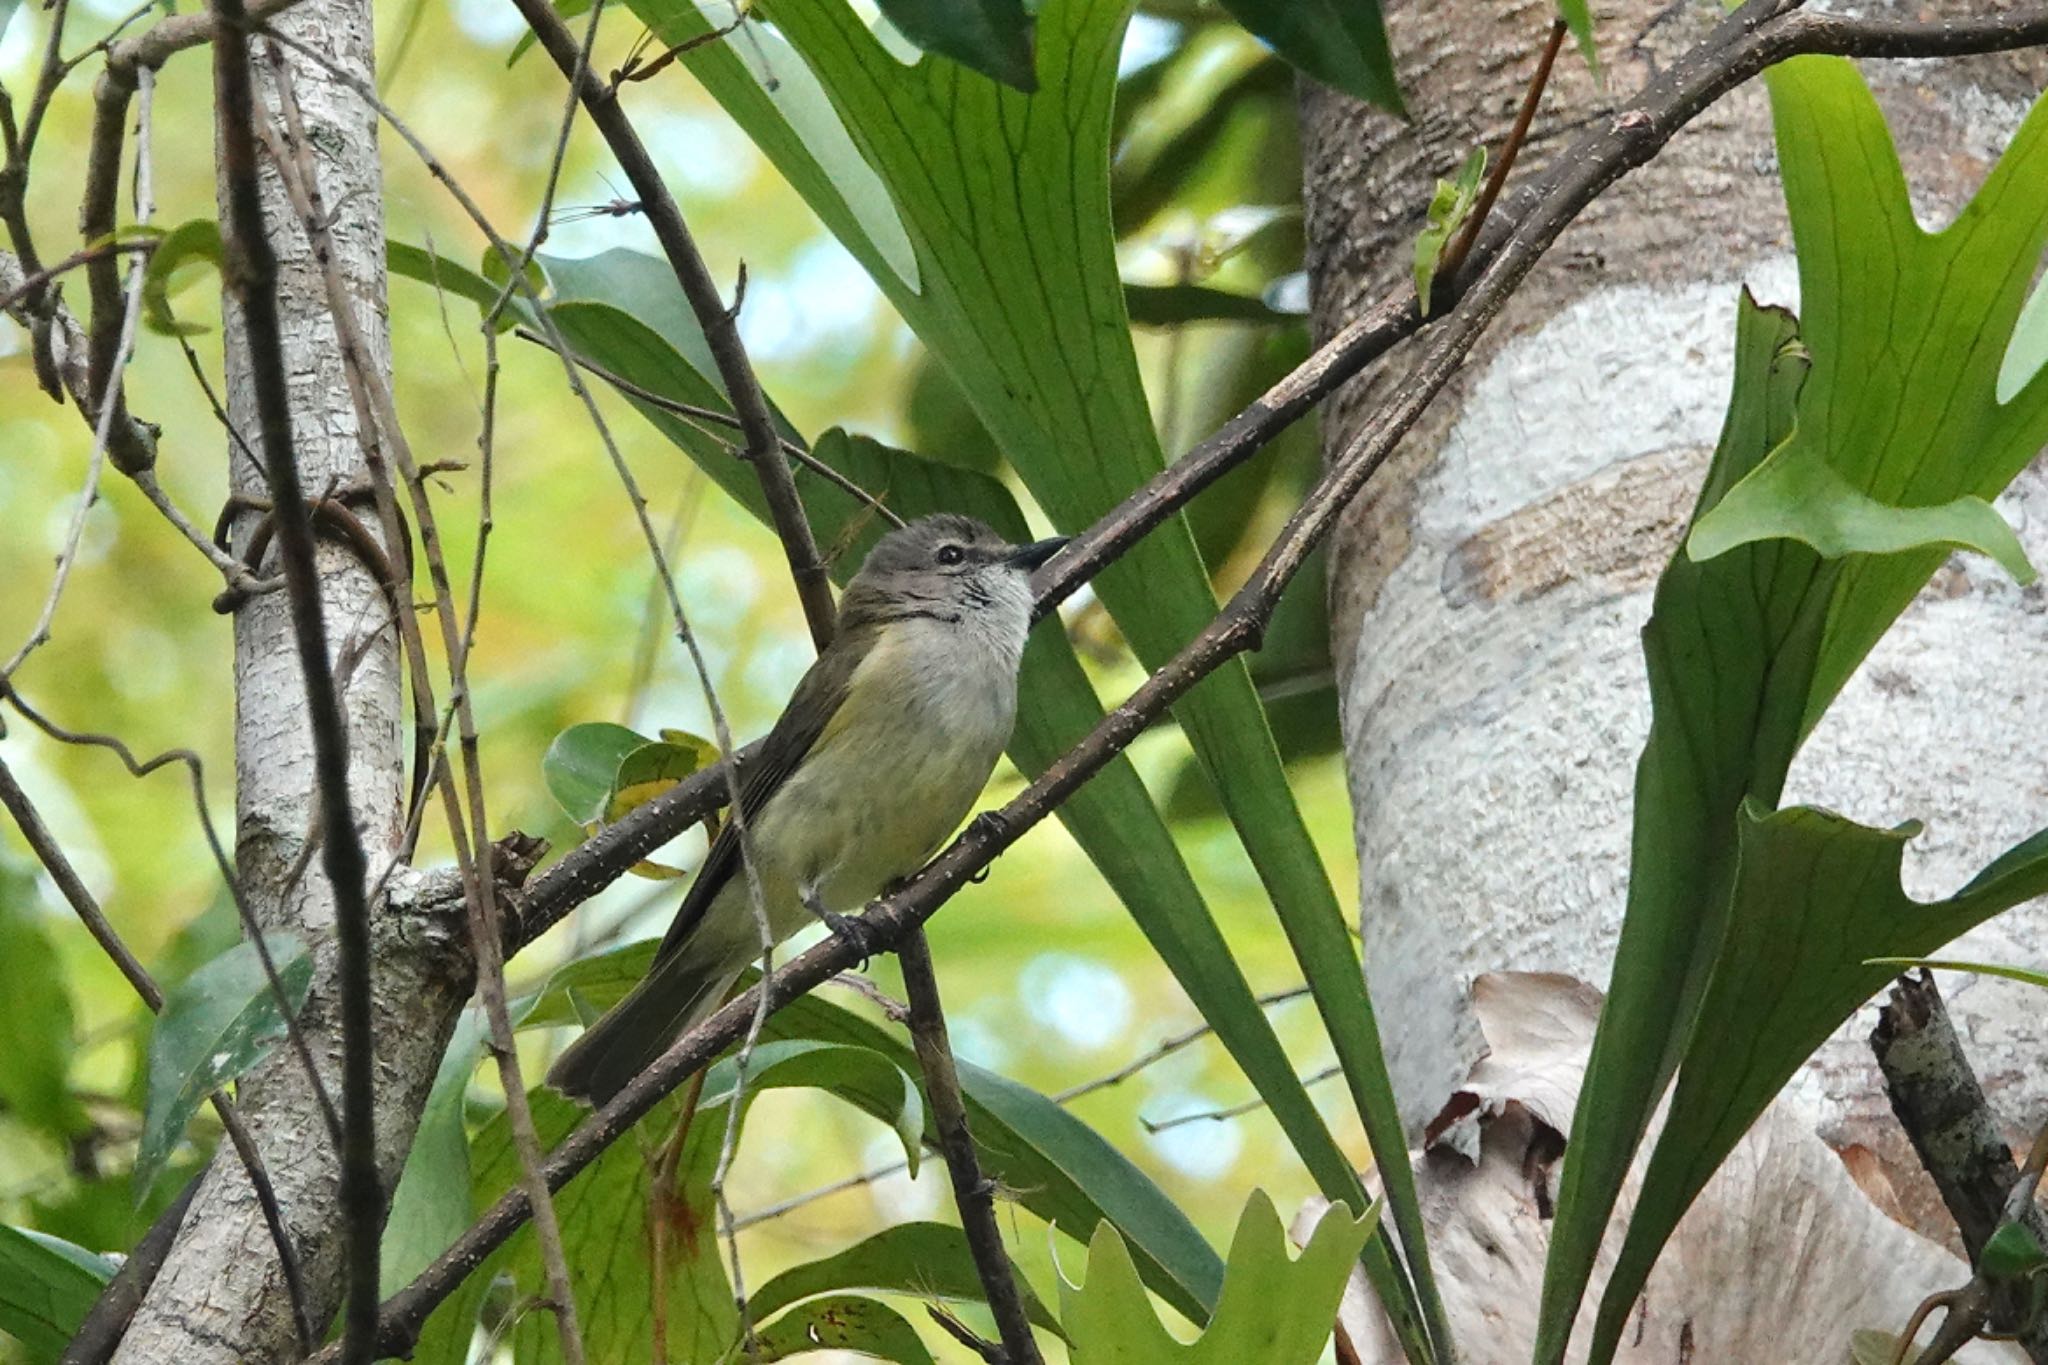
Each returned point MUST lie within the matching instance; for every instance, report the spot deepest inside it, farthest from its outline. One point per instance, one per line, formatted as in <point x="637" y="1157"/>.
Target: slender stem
<point x="1505" y="162"/>
<point x="721" y="330"/>
<point x="250" y="269"/>
<point x="973" y="1194"/>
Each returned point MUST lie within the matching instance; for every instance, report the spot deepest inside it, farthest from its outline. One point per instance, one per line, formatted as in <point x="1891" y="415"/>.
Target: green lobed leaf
<point x="35" y="1015"/>
<point x="1806" y="500"/>
<point x="581" y="767"/>
<point x="2027" y="353"/>
<point x="929" y="1260"/>
<point x="215" y="1025"/>
<point x="1112" y="817"/>
<point x="992" y="37"/>
<point x="843" y="1322"/>
<point x="1449" y="207"/>
<point x="1004" y="198"/>
<point x="1905" y="330"/>
<point x="417" y="263"/>
<point x="648" y="771"/>
<point x="1275" y="1309"/>
<point x="1342" y="43"/>
<point x="46" y="1288"/>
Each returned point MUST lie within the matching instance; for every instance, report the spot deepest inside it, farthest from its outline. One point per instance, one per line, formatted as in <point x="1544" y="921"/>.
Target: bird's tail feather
<point x="677" y="994"/>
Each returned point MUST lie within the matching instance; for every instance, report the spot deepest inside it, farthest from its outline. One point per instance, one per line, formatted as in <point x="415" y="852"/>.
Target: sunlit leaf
<point x="582" y="765"/>
<point x="46" y="1288"/>
<point x="648" y="771"/>
<point x="929" y="1260"/>
<point x="215" y="1025"/>
<point x="1449" y="207"/>
<point x="195" y="241"/>
<point x="843" y="1322"/>
<point x="1275" y="1309"/>
<point x="1578" y="17"/>
<point x="2019" y="974"/>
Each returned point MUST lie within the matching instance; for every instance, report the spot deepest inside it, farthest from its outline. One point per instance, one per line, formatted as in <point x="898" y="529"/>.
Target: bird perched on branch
<point x="877" y="758"/>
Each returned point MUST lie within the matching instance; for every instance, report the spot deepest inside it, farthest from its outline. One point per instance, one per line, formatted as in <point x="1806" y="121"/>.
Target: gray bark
<point x="221" y="1297"/>
<point x="1487" y="590"/>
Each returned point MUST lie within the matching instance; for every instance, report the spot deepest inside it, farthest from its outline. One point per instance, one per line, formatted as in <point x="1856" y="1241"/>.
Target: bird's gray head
<point x="949" y="568"/>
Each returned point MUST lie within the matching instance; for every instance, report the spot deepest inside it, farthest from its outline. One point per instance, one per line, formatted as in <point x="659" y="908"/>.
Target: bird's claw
<point x="855" y="932"/>
<point x="989" y="824"/>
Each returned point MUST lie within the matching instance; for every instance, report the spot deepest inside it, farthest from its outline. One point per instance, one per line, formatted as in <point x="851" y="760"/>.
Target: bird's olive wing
<point x="811" y="708"/>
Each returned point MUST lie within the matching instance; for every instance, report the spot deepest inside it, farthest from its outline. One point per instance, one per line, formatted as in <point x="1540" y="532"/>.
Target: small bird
<point x="882" y="749"/>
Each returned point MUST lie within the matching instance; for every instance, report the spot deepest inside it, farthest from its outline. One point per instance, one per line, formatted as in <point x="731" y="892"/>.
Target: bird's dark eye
<point x="950" y="555"/>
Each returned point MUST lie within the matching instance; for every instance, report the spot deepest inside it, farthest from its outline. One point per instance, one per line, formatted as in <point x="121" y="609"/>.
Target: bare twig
<point x="724" y="419"/>
<point x="249" y="268"/>
<point x="1505" y="162"/>
<point x="23" y="295"/>
<point x="721" y="332"/>
<point x="972" y="1193"/>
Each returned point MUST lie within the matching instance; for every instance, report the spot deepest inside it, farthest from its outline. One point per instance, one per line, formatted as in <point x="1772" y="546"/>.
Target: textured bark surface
<point x="221" y="1297"/>
<point x="1487" y="590"/>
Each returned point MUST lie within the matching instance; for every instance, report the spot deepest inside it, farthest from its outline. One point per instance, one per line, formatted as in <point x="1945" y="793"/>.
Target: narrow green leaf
<point x="1796" y="496"/>
<point x="1021" y="303"/>
<point x="1578" y="17"/>
<point x="215" y="1025"/>
<point x="46" y="1289"/>
<point x="869" y="1080"/>
<point x="417" y="263"/>
<point x="2027" y="353"/>
<point x="989" y="36"/>
<point x="1342" y="43"/>
<point x="1275" y="1309"/>
<point x="35" y="1014"/>
<point x="843" y="1322"/>
<point x="581" y="767"/>
<point x="430" y="1208"/>
<point x="1175" y="305"/>
<point x="1449" y="207"/>
<point x="196" y="240"/>
<point x="2019" y="974"/>
<point x="929" y="1260"/>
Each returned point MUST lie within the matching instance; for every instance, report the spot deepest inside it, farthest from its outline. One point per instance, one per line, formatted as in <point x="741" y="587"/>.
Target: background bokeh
<point x="1046" y="978"/>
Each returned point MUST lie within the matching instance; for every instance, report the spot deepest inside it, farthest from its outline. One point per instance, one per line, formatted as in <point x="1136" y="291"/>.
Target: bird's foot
<point x="989" y="824"/>
<point x="855" y="932"/>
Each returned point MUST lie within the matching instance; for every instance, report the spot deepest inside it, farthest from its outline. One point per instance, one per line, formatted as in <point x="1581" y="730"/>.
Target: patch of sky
<point x="490" y="22"/>
<point x="1148" y="39"/>
<point x="1205" y="1149"/>
<point x="1082" y="1000"/>
<point x="896" y="1196"/>
<point x="702" y="153"/>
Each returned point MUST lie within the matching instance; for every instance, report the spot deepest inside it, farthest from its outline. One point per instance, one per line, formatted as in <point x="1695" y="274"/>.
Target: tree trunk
<point x="1487" y="590"/>
<point x="221" y="1296"/>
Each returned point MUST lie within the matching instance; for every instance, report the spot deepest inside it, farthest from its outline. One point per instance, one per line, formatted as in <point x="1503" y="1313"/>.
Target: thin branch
<point x="721" y="333"/>
<point x="22" y="296"/>
<point x="122" y="346"/>
<point x="1230" y="1111"/>
<point x="972" y="1192"/>
<point x="250" y="269"/>
<point x="130" y="445"/>
<point x="51" y="855"/>
<point x="724" y="419"/>
<point x="1505" y="162"/>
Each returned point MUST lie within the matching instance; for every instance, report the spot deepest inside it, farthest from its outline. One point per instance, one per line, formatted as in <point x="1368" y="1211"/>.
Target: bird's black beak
<point x="1028" y="557"/>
